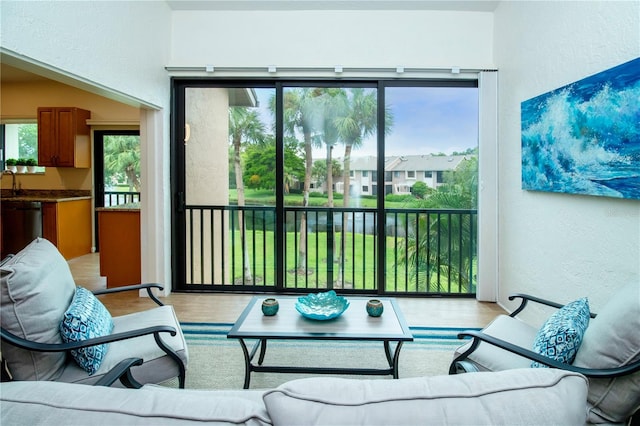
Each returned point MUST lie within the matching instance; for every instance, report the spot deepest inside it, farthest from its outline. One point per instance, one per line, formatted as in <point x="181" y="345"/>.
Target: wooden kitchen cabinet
<point x="67" y="224"/>
<point x="120" y="245"/>
<point x="63" y="137"/>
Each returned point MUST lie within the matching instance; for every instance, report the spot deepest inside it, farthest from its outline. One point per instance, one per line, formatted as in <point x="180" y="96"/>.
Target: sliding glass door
<point x="307" y="186"/>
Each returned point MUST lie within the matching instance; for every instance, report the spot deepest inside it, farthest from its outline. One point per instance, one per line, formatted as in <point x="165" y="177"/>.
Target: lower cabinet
<point x="119" y="237"/>
<point x="67" y="224"/>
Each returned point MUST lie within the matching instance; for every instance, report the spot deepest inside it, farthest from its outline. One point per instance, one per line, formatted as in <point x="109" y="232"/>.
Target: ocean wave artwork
<point x="584" y="138"/>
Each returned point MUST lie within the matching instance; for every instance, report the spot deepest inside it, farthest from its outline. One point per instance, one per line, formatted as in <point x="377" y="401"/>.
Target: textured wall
<point x="328" y="38"/>
<point x="121" y="45"/>
<point x="559" y="245"/>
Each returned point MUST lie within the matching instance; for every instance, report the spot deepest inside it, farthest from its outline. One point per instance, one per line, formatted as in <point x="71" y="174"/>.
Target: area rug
<point x="216" y="362"/>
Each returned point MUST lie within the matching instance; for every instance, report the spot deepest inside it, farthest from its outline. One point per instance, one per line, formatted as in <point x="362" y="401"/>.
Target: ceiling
<point x="458" y="5"/>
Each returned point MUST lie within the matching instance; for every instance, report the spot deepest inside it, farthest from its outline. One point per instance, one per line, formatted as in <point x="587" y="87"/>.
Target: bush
<point x="316" y="195"/>
<point x="397" y="198"/>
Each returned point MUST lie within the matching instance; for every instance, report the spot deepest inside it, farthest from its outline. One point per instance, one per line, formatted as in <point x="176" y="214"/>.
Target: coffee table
<point x="353" y="325"/>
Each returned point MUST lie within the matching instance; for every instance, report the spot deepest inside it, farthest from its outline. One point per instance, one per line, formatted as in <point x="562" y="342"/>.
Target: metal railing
<point x="425" y="251"/>
<point x="118" y="198"/>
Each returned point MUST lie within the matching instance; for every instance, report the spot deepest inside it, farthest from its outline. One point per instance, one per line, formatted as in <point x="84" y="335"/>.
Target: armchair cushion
<point x="157" y="366"/>
<point x="561" y="335"/>
<point x="37" y="287"/>
<point x="613" y="340"/>
<point x="86" y="318"/>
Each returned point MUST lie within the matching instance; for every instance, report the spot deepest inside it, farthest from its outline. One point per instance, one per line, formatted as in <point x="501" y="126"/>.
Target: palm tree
<point x="452" y="233"/>
<point x="122" y="155"/>
<point x="359" y="122"/>
<point x="244" y="126"/>
<point x="300" y="115"/>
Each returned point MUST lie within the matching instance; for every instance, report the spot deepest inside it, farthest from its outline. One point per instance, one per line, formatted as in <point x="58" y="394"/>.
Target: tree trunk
<point x="240" y="188"/>
<point x="302" y="246"/>
<point x="346" y="182"/>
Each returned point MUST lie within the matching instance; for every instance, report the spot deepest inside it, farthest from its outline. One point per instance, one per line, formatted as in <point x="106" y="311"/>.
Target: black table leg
<point x="396" y="359"/>
<point x="247" y="364"/>
<point x="263" y="350"/>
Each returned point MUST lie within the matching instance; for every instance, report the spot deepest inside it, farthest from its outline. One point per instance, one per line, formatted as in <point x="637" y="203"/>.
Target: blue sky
<point x="426" y="120"/>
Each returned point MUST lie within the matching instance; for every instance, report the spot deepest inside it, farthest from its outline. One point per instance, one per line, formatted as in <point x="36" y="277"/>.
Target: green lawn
<point x="358" y="265"/>
<point x="265" y="197"/>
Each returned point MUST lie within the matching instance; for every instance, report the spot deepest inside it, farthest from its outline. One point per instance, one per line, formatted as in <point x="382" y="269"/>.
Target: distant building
<point x="400" y="173"/>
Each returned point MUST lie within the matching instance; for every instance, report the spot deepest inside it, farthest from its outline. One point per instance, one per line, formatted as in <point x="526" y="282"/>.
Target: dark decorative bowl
<point x="322" y="306"/>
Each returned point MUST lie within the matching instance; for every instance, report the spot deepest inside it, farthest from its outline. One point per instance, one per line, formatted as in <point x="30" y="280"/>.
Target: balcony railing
<point x="425" y="251"/>
<point x="118" y="198"/>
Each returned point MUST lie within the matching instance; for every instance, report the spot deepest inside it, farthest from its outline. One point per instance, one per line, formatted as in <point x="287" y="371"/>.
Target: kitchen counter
<point x="46" y="196"/>
<point x="60" y="216"/>
<point x="129" y="207"/>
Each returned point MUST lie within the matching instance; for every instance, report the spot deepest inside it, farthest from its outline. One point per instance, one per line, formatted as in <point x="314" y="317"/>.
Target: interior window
<point x="20" y="145"/>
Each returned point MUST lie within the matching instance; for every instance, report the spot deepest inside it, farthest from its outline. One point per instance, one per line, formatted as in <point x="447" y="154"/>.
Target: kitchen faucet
<point x="14" y="191"/>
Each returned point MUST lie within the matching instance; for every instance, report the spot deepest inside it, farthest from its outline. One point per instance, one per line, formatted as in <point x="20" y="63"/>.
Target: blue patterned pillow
<point x="560" y="336"/>
<point x="86" y="318"/>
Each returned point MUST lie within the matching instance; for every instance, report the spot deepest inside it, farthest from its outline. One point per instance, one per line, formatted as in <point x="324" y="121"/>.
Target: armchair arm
<point x="147" y="286"/>
<point x="526" y="298"/>
<point x="600" y="373"/>
<point x="122" y="372"/>
<point x="63" y="347"/>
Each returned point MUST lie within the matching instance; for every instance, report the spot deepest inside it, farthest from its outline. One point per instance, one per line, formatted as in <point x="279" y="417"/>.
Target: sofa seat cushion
<point x="72" y="404"/>
<point x="37" y="287"/>
<point x="491" y="358"/>
<point x="613" y="340"/>
<point x="514" y="397"/>
<point x="158" y="367"/>
<point x="86" y="318"/>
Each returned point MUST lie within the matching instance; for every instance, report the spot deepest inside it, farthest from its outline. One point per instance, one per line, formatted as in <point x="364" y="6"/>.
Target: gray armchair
<point x="609" y="354"/>
<point x="38" y="294"/>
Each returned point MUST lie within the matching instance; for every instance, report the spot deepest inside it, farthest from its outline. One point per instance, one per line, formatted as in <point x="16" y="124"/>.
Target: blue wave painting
<point x="584" y="138"/>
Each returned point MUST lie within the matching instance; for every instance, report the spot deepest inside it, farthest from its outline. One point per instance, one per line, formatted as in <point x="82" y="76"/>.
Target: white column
<point x="155" y="206"/>
<point x="488" y="250"/>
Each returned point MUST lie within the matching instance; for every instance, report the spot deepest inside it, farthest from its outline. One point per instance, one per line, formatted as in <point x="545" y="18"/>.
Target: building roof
<point x="407" y="162"/>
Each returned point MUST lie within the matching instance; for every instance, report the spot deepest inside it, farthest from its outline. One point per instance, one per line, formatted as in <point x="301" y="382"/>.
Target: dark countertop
<point x="129" y="207"/>
<point x="46" y="196"/>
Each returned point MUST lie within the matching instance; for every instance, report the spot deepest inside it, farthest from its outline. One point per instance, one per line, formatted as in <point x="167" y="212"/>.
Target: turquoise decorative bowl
<point x="322" y="306"/>
<point x="375" y="307"/>
<point x="270" y="306"/>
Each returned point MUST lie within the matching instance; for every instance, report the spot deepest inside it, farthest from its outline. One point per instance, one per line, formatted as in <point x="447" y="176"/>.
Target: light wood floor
<point x="218" y="307"/>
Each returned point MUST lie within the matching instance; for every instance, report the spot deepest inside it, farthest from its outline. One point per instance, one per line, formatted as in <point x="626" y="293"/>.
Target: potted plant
<point x="31" y="165"/>
<point x="10" y="164"/>
<point x="21" y="165"/>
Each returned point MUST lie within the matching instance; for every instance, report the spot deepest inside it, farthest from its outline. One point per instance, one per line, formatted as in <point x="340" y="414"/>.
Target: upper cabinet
<point x="63" y="137"/>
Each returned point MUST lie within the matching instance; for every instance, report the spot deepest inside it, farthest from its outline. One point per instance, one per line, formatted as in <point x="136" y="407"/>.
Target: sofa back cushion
<point x="37" y="287"/>
<point x="613" y="340"/>
<point x="522" y="396"/>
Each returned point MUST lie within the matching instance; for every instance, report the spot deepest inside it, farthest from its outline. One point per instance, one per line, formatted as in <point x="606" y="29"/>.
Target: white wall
<point x="325" y="38"/>
<point x="559" y="245"/>
<point x="113" y="49"/>
<point x="121" y="45"/>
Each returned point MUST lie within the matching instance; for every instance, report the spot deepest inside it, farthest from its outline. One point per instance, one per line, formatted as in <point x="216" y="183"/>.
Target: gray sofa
<point x="515" y="397"/>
